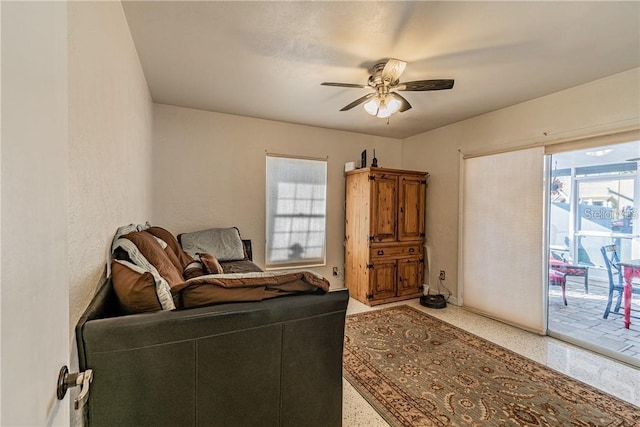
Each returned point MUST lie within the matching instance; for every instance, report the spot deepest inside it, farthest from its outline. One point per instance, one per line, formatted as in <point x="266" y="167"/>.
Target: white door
<point x="34" y="261"/>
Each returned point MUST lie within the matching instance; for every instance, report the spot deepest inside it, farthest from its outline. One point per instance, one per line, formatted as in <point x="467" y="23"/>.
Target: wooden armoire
<point x="384" y="234"/>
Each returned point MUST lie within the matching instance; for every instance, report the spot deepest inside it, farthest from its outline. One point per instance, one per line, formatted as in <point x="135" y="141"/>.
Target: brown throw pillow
<point x="173" y="258"/>
<point x="172" y="242"/>
<point x="136" y="292"/>
<point x="158" y="257"/>
<point x="210" y="264"/>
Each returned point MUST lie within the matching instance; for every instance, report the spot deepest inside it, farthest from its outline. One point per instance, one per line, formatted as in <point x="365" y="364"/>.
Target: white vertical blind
<point x="295" y="212"/>
<point x="502" y="237"/>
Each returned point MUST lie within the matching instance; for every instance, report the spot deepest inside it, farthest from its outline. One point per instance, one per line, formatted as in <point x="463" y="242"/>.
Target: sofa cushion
<point x="200" y="295"/>
<point x="243" y="266"/>
<point x="172" y="257"/>
<point x="194" y="269"/>
<point x="210" y="264"/>
<point x="160" y="258"/>
<point x="223" y="243"/>
<point x="136" y="291"/>
<point x="172" y="242"/>
<point x="126" y="229"/>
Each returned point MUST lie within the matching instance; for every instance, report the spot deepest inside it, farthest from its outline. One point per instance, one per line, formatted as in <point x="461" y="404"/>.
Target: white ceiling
<point x="267" y="59"/>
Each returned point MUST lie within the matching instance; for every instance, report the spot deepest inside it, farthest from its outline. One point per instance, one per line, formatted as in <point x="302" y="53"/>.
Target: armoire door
<point x="384" y="207"/>
<point x="411" y="208"/>
<point x="409" y="276"/>
<point x="383" y="279"/>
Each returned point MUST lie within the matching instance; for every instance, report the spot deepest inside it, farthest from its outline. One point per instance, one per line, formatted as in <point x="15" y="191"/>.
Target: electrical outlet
<point x="441" y="275"/>
<point x="335" y="271"/>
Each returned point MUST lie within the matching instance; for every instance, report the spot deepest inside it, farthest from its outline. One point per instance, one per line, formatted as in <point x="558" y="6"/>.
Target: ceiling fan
<point x="385" y="81"/>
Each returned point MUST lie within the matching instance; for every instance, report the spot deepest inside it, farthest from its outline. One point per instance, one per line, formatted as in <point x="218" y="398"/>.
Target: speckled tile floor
<point x="612" y="377"/>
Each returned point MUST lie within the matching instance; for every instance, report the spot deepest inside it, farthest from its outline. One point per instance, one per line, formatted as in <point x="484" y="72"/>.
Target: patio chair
<point x="558" y="263"/>
<point x="616" y="280"/>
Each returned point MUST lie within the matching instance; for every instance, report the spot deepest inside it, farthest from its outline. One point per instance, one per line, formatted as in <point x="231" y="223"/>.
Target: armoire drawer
<point x="395" y="251"/>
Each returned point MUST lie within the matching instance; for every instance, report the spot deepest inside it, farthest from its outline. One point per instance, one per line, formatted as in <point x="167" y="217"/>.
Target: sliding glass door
<point x="594" y="200"/>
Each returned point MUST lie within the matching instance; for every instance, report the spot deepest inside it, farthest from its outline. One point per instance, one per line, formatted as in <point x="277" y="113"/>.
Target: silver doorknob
<point x="67" y="380"/>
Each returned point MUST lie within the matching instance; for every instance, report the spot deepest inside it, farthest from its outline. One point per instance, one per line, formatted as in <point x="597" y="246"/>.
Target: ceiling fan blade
<point x="404" y="104"/>
<point x="344" y="85"/>
<point x="422" y="85"/>
<point x="358" y="101"/>
<point x="392" y="71"/>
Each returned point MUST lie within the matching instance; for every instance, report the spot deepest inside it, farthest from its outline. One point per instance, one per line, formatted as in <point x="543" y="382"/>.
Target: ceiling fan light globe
<point x="393" y="105"/>
<point x="384" y="111"/>
<point x="372" y="106"/>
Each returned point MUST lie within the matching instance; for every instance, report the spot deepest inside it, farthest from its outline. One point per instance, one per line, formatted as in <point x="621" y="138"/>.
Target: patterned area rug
<point x="419" y="371"/>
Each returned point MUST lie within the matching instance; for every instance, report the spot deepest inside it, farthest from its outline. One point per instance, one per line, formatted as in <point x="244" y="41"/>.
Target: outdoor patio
<point x="582" y="317"/>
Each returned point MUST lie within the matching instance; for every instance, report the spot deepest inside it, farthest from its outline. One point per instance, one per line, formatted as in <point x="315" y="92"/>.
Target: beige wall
<point x="604" y="105"/>
<point x="209" y="171"/>
<point x="110" y="115"/>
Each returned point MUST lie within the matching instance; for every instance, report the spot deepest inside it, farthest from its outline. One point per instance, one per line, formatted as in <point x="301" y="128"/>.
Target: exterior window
<point x="296" y="212"/>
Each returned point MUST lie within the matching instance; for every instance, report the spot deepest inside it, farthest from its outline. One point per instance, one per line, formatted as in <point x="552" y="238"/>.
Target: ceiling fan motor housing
<point x="376" y="80"/>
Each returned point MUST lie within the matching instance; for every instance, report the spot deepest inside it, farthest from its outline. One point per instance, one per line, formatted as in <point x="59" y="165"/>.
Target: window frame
<point x="271" y="216"/>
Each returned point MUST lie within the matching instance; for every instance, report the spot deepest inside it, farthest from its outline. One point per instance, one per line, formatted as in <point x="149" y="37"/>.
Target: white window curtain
<point x="502" y="237"/>
<point x="295" y="211"/>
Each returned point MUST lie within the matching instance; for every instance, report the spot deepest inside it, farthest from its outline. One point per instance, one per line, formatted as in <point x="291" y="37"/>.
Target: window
<point x="296" y="211"/>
